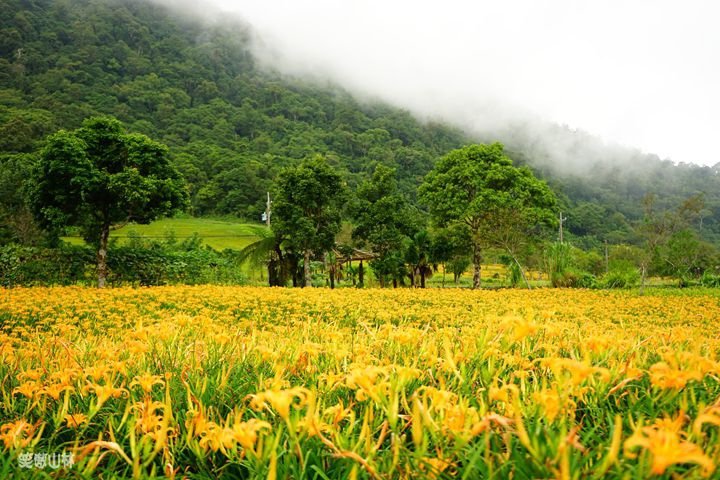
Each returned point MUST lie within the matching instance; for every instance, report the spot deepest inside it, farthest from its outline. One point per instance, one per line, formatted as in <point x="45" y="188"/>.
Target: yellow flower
<point x="18" y="434"/>
<point x="552" y="403"/>
<point x="74" y="420"/>
<point x="436" y="466"/>
<point x="280" y="400"/>
<point x="665" y="441"/>
<point x="151" y="419"/>
<point x="35" y="374"/>
<point x="580" y="371"/>
<point x="28" y="389"/>
<point x="458" y="417"/>
<point x="337" y="412"/>
<point x="97" y="371"/>
<point x="56" y="390"/>
<point x="370" y="382"/>
<point x="246" y="433"/>
<point x="105" y="392"/>
<point x="195" y="421"/>
<point x="146" y="381"/>
<point x="524" y="328"/>
<point x="664" y="376"/>
<point x="437" y="397"/>
<point x="505" y="393"/>
<point x="217" y="438"/>
<point x="710" y="415"/>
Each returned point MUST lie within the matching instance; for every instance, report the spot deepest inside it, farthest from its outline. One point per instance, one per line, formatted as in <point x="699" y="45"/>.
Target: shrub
<point x="136" y="263"/>
<point x="621" y="275"/>
<point x="574" y="278"/>
<point x="710" y="280"/>
<point x="557" y="258"/>
<point x="25" y="265"/>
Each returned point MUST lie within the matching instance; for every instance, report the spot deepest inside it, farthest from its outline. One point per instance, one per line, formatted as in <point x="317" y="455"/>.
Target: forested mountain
<point x="231" y="126"/>
<point x="195" y="87"/>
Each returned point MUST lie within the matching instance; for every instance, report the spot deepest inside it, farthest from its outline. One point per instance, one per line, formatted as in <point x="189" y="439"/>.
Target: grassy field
<point x="242" y="382"/>
<point x="218" y="234"/>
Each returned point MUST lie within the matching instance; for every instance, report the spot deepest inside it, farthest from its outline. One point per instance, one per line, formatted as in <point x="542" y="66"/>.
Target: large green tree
<point x="685" y="256"/>
<point x="99" y="177"/>
<point x="478" y="187"/>
<point x="307" y="209"/>
<point x="16" y="219"/>
<point x="383" y="220"/>
<point x="450" y="247"/>
<point x="672" y="246"/>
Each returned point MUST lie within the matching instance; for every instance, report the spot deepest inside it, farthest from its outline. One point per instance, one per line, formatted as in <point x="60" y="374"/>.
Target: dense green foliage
<point x="384" y="222"/>
<point x="97" y="177"/>
<point x="194" y="87"/>
<point x="136" y="262"/>
<point x="231" y="126"/>
<point x="478" y="188"/>
<point x="602" y="186"/>
<point x="16" y="219"/>
<point x="308" y="207"/>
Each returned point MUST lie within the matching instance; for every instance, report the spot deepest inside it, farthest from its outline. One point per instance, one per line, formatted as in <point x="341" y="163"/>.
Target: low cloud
<point x="642" y="74"/>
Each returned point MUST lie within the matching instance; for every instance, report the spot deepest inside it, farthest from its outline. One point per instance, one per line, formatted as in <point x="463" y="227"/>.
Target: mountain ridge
<point x="232" y="125"/>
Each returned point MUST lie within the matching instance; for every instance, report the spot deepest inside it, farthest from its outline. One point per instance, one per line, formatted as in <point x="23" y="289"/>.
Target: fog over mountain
<point x="206" y="84"/>
<point x="639" y="74"/>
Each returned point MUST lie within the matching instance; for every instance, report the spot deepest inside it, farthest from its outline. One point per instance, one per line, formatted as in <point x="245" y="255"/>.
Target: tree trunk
<point x="295" y="271"/>
<point x="361" y="275"/>
<point x="102" y="256"/>
<point x="276" y="269"/>
<point x="326" y="268"/>
<point x="443" y="283"/>
<point x="272" y="271"/>
<point x="642" y="279"/>
<point x="306" y="269"/>
<point x="332" y="278"/>
<point x="477" y="265"/>
<point x="422" y="279"/>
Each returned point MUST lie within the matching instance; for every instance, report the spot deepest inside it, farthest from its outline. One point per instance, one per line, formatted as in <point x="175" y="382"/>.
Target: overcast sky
<point x="644" y="73"/>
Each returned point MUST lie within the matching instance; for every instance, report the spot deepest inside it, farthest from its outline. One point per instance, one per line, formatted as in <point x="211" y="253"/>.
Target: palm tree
<point x="418" y="256"/>
<point x="333" y="266"/>
<point x="267" y="252"/>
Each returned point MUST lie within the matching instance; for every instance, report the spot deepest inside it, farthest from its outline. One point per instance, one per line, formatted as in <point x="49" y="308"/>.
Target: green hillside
<point x="218" y="234"/>
<point x="232" y="126"/>
<point x="196" y="88"/>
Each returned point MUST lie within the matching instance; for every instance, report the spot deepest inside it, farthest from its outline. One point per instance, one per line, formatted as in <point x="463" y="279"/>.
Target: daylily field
<point x="232" y="382"/>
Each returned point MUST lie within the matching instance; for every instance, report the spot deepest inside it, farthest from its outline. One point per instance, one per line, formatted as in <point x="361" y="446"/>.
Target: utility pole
<point x="562" y="219"/>
<point x="607" y="258"/>
<point x="268" y="212"/>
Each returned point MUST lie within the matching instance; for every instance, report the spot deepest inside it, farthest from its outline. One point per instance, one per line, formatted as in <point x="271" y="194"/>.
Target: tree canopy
<point x="478" y="187"/>
<point x="383" y="221"/>
<point x="98" y="177"/>
<point x="308" y="208"/>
